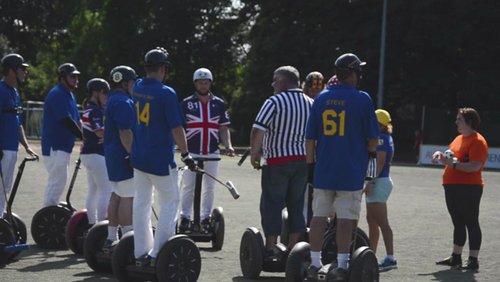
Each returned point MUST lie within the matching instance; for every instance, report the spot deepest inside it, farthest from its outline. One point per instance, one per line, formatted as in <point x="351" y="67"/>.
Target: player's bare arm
<point x="24" y="141"/>
<point x="180" y="139"/>
<point x="126" y="138"/>
<point x="310" y="151"/>
<point x="225" y="136"/>
<point x="256" y="139"/>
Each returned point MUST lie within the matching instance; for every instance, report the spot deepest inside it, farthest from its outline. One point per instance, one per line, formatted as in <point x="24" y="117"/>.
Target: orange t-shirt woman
<point x="463" y="186"/>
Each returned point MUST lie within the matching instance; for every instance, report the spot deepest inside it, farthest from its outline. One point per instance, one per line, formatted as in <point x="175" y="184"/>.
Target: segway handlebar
<point x="244" y="156"/>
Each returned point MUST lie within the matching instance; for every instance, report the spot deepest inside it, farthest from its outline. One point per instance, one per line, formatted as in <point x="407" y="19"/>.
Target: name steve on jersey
<point x="333" y="102"/>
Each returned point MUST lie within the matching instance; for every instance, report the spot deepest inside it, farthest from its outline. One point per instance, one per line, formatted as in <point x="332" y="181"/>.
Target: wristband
<point x="455" y="162"/>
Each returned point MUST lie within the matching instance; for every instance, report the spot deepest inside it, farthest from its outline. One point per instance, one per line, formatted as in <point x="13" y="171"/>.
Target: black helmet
<point x="157" y="56"/>
<point x="12" y="61"/>
<point x="122" y="73"/>
<point x="349" y="61"/>
<point x="97" y="84"/>
<point x="67" y="69"/>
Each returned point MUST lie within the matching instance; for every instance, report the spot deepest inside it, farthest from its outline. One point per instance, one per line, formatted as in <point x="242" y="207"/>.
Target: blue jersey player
<point x="119" y="121"/>
<point x="207" y="122"/>
<point x="159" y="128"/>
<point x="92" y="153"/>
<point x="61" y="126"/>
<point x="342" y="133"/>
<point x="14" y="70"/>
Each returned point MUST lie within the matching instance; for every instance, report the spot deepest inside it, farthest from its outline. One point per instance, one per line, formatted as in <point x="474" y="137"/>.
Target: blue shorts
<point x="380" y="191"/>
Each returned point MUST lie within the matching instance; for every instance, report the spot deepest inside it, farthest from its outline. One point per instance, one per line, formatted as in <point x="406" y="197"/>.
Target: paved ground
<point x="421" y="225"/>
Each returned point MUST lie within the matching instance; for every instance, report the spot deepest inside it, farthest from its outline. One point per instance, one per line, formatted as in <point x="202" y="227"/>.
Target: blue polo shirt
<point x="119" y="114"/>
<point x="386" y="144"/>
<point x="9" y="119"/>
<point x="342" y="119"/>
<point x="59" y="104"/>
<point x="158" y="112"/>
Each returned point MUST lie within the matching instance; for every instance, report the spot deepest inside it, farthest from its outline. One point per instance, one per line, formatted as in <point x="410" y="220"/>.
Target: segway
<point x="178" y="260"/>
<point x="215" y="232"/>
<point x="48" y="226"/>
<point x="13" y="235"/>
<point x="96" y="258"/>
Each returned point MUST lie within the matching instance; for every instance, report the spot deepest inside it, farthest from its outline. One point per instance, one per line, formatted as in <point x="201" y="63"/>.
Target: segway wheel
<point x="251" y="253"/>
<point x="218" y="228"/>
<point x="285" y="231"/>
<point x="329" y="247"/>
<point x="7" y="238"/>
<point x="363" y="266"/>
<point x="48" y="227"/>
<point x="298" y="262"/>
<point x="123" y="255"/>
<point x="93" y="244"/>
<point x="20" y="233"/>
<point x="76" y="230"/>
<point x="178" y="260"/>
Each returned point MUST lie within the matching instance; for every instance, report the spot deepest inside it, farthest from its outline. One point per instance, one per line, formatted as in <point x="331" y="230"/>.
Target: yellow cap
<point x="383" y="117"/>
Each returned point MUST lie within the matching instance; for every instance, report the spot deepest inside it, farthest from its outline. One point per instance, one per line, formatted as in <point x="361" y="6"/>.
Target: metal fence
<point x="33" y="119"/>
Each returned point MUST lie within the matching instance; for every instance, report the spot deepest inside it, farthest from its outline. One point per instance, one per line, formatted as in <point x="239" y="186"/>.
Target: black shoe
<point x="145" y="261"/>
<point x="453" y="260"/>
<point x="206" y="227"/>
<point x="337" y="275"/>
<point x="184" y="225"/>
<point x="471" y="264"/>
<point x="109" y="246"/>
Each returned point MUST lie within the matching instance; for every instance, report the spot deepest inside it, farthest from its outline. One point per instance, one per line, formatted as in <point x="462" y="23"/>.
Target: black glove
<point x="188" y="160"/>
<point x="1" y="154"/>
<point x="371" y="172"/>
<point x="310" y="172"/>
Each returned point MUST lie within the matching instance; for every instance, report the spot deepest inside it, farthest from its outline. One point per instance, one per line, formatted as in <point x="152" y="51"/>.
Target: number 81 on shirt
<point x="333" y="123"/>
<point x="142" y="114"/>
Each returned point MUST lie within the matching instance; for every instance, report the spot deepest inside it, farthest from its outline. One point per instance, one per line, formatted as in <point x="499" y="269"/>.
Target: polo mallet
<point x="244" y="156"/>
<point x="229" y="185"/>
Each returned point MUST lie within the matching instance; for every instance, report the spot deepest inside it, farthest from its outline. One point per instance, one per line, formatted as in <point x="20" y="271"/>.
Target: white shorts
<point x="345" y="204"/>
<point x="124" y="189"/>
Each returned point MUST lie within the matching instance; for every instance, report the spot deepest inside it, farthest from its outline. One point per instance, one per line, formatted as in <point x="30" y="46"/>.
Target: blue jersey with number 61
<point x="342" y="120"/>
<point x="158" y="112"/>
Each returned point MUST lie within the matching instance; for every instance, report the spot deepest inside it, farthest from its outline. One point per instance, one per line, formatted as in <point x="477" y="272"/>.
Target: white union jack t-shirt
<point x="202" y="124"/>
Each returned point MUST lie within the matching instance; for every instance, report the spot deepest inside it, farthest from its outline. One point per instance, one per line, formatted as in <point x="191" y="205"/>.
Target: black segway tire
<point x="218" y="228"/>
<point x="363" y="266"/>
<point x="251" y="253"/>
<point x="92" y="246"/>
<point x="20" y="232"/>
<point x="297" y="263"/>
<point x="329" y="247"/>
<point x="7" y="238"/>
<point x="48" y="227"/>
<point x="75" y="231"/>
<point x="178" y="260"/>
<point x="123" y="256"/>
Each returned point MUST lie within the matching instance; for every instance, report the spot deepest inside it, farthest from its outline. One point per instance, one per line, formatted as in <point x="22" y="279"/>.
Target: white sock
<point x="126" y="229"/>
<point x="390" y="257"/>
<point x="316" y="259"/>
<point x="112" y="233"/>
<point x="343" y="260"/>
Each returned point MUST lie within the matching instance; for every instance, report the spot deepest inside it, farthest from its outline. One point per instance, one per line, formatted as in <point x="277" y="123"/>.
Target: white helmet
<point x="202" y="73"/>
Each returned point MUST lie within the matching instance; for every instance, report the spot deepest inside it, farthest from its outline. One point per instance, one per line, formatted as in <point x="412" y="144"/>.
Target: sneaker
<point x="145" y="261"/>
<point x="206" y="227"/>
<point x="336" y="275"/>
<point x="184" y="225"/>
<point x="312" y="273"/>
<point x="388" y="264"/>
<point x="108" y="246"/>
<point x="471" y="264"/>
<point x="453" y="260"/>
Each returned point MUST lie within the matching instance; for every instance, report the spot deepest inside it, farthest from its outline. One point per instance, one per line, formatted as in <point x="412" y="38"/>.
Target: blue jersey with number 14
<point x="158" y="112"/>
<point x="342" y="120"/>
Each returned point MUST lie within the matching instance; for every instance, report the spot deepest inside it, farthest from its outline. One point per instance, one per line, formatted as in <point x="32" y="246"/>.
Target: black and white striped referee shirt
<point x="284" y="117"/>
